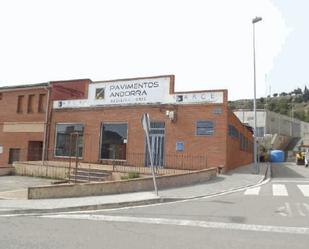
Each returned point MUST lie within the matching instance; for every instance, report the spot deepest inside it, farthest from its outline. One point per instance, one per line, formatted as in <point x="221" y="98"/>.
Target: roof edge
<point x="22" y="87"/>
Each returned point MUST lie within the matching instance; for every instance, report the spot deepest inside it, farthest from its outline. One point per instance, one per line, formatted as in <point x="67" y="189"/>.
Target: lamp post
<point x="256" y="167"/>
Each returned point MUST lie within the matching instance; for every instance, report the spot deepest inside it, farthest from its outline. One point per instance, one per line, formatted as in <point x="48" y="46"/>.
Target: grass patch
<point x="130" y="175"/>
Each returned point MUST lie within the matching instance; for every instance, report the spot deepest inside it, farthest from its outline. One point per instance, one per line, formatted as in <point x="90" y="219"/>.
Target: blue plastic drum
<point x="277" y="156"/>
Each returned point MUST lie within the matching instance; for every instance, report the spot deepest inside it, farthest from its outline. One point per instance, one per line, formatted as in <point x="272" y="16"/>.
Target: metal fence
<point x="170" y="161"/>
<point x="139" y="160"/>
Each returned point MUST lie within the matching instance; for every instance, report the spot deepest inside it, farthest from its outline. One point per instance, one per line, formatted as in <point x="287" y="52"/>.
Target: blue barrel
<point x="277" y="156"/>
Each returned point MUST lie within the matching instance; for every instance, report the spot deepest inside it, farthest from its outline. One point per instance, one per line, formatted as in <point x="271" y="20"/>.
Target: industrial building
<point x="276" y="131"/>
<point x="100" y="122"/>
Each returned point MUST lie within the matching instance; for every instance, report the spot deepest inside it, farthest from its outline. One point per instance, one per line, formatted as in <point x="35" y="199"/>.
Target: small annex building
<point x="22" y="123"/>
<point x="100" y="122"/>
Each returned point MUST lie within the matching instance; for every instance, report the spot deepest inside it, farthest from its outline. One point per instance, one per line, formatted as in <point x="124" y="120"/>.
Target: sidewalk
<point x="233" y="180"/>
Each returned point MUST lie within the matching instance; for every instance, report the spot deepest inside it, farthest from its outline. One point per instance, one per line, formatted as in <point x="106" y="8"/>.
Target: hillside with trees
<point x="294" y="104"/>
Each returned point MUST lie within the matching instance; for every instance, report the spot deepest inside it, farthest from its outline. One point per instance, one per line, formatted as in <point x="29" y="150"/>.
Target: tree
<point x="275" y="95"/>
<point x="262" y="100"/>
<point x="306" y="94"/>
<point x="298" y="91"/>
<point x="300" y="115"/>
<point x="298" y="99"/>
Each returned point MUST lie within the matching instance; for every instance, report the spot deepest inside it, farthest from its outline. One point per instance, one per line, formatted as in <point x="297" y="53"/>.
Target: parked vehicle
<point x="302" y="156"/>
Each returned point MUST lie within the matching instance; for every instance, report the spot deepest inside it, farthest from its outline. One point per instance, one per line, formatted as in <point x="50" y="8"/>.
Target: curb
<point x="89" y="207"/>
<point x="82" y="208"/>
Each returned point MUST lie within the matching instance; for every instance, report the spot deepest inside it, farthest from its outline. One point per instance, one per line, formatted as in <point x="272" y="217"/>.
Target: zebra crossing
<point x="279" y="189"/>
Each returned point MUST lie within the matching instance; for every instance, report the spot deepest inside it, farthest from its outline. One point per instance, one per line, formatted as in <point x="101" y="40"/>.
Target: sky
<point x="206" y="44"/>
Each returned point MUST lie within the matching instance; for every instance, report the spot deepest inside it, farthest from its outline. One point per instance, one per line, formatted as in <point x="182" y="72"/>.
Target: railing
<point x="169" y="161"/>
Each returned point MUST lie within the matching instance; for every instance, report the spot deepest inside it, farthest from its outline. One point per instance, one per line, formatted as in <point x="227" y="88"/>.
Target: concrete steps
<point x="81" y="175"/>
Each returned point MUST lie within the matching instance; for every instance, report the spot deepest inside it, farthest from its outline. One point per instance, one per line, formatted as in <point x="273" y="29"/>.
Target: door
<point x="14" y="155"/>
<point x="156" y="137"/>
<point x="35" y="149"/>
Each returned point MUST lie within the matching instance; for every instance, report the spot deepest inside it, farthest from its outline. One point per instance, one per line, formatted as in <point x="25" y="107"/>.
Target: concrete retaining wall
<point x="6" y="171"/>
<point x="117" y="187"/>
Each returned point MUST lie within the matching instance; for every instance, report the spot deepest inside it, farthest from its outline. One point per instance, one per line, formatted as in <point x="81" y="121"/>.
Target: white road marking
<point x="191" y="223"/>
<point x="304" y="189"/>
<point x="288" y="209"/>
<point x="289" y="181"/>
<point x="279" y="190"/>
<point x="253" y="191"/>
<point x="285" y="210"/>
<point x="299" y="209"/>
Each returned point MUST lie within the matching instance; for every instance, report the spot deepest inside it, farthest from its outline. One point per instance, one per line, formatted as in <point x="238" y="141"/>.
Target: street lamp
<point x="256" y="167"/>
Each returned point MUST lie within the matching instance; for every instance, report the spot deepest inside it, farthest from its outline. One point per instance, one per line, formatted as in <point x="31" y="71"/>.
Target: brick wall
<point x="235" y="155"/>
<point x="8" y="105"/>
<point x="184" y="129"/>
<point x="12" y="120"/>
<point x="69" y="89"/>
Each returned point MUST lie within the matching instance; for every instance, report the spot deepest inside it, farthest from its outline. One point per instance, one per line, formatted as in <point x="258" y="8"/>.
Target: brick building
<point x="22" y="122"/>
<point x="100" y="122"/>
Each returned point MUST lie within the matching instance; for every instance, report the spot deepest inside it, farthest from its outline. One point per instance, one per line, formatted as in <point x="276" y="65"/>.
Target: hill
<point x="294" y="104"/>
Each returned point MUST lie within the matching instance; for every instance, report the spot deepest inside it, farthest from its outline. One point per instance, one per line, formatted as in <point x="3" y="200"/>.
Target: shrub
<point x="131" y="175"/>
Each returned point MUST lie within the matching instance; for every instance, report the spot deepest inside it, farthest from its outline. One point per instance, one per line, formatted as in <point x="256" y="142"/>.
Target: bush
<point x="131" y="175"/>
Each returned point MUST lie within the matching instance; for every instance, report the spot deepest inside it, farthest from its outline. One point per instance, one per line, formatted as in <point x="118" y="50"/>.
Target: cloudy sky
<point x="207" y="44"/>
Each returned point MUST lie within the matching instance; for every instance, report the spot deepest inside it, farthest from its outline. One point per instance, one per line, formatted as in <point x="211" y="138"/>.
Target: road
<point x="272" y="215"/>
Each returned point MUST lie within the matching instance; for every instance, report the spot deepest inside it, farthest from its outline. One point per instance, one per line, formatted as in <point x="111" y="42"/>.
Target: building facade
<point x="189" y="130"/>
<point x="100" y="122"/>
<point x="22" y="123"/>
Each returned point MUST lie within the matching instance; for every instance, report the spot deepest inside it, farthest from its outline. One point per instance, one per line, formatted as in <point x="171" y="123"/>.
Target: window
<point x="246" y="146"/>
<point x="204" y="128"/>
<point x="20" y="103"/>
<point x="217" y="111"/>
<point x="42" y="103"/>
<point x="242" y="142"/>
<point x="30" y="108"/>
<point x="114" y="141"/>
<point x="233" y="132"/>
<point x="69" y="140"/>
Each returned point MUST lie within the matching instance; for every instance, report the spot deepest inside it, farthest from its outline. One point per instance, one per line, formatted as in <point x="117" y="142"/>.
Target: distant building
<point x="281" y="128"/>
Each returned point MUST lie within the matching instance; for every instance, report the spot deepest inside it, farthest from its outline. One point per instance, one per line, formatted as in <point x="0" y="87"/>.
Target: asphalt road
<point x="273" y="215"/>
